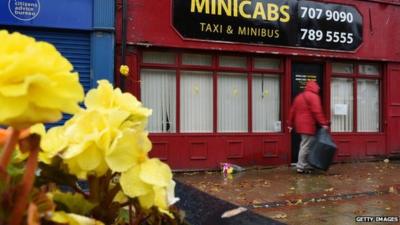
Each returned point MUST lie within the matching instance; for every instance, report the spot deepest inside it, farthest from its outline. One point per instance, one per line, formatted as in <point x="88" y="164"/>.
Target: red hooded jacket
<point x="306" y="110"/>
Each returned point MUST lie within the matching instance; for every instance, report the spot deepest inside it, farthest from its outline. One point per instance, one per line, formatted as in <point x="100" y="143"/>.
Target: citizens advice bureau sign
<point x="295" y="23"/>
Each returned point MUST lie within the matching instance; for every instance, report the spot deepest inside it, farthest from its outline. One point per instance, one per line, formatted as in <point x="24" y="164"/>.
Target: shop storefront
<point x="220" y="76"/>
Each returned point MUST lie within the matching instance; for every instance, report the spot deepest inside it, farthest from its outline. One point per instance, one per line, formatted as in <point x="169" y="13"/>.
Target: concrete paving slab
<point x="334" y="197"/>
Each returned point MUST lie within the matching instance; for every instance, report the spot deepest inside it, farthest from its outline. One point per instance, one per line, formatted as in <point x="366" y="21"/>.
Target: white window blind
<point x="342" y="105"/>
<point x="368" y="105"/>
<point x="196" y="98"/>
<point x="232" y="102"/>
<point x="266" y="103"/>
<point x="158" y="92"/>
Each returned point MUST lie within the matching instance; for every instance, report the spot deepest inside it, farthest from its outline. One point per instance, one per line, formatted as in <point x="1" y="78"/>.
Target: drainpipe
<point x="123" y="41"/>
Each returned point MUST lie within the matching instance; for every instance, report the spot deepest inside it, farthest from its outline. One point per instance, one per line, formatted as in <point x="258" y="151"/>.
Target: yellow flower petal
<point x="75" y="149"/>
<point x="147" y="201"/>
<point x="160" y="198"/>
<point x="54" y="141"/>
<point x="128" y="150"/>
<point x="73" y="219"/>
<point x="132" y="185"/>
<point x="101" y="97"/>
<point x="90" y="158"/>
<point x="156" y="173"/>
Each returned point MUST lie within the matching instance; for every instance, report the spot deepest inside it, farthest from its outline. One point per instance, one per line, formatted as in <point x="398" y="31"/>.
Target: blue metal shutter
<point x="73" y="45"/>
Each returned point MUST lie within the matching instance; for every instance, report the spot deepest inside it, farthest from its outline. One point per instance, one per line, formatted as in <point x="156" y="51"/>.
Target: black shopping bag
<point x="322" y="151"/>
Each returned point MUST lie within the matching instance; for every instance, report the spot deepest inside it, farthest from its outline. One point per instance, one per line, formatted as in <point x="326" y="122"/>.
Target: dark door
<point x="301" y="73"/>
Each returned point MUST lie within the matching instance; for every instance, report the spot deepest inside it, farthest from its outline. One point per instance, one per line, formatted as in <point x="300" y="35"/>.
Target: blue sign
<point x="24" y="10"/>
<point x="70" y="14"/>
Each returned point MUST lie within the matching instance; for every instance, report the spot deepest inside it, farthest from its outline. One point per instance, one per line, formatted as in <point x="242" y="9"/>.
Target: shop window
<point x="196" y="97"/>
<point x="158" y="92"/>
<point x="367" y="105"/>
<point x="369" y="69"/>
<point x="232" y="102"/>
<point x="342" y="105"/>
<point x="267" y="63"/>
<point x="364" y="83"/>
<point x="345" y="68"/>
<point x="266" y="103"/>
<point x="196" y="59"/>
<point x="233" y="61"/>
<point x="159" y="57"/>
<point x="211" y="92"/>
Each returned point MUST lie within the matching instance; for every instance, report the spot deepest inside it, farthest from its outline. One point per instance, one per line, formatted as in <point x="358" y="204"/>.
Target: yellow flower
<point x="124" y="70"/>
<point x="104" y="97"/>
<point x="130" y="148"/>
<point x="94" y="141"/>
<point x="61" y="217"/>
<point x="36" y="82"/>
<point x="150" y="181"/>
<point x="80" y="143"/>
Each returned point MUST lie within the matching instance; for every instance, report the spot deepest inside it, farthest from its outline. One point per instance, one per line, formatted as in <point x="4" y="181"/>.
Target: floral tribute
<point x="94" y="169"/>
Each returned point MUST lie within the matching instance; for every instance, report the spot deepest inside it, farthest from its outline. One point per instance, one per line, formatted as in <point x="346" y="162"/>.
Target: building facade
<point x="82" y="30"/>
<point x="220" y="75"/>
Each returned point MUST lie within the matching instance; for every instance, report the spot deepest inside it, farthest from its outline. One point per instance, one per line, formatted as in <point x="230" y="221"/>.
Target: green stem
<point x="25" y="186"/>
<point x="9" y="148"/>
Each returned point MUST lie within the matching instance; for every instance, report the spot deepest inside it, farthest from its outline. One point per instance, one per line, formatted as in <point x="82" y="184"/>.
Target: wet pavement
<point x="334" y="197"/>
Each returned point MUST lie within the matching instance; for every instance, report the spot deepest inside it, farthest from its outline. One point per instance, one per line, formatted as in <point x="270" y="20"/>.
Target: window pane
<point x="159" y="57"/>
<point x="158" y="92"/>
<point x="266" y="63"/>
<point x="342" y="68"/>
<point x="232" y="61"/>
<point x="266" y="103"/>
<point x="196" y="59"/>
<point x="342" y="105"/>
<point x="196" y="102"/>
<point x="369" y="69"/>
<point x="368" y="105"/>
<point x="232" y="102"/>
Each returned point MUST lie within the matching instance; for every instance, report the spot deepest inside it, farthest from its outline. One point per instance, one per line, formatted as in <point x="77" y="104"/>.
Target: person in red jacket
<point x="305" y="113"/>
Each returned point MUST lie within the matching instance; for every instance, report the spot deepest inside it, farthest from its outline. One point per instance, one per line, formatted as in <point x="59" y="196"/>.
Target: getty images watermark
<point x="375" y="219"/>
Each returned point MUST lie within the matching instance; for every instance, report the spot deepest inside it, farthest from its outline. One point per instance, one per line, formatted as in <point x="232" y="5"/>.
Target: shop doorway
<point x="301" y="73"/>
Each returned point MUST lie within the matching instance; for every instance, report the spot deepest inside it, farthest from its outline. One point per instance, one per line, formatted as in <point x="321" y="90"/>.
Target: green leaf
<point x="73" y="203"/>
<point x="15" y="170"/>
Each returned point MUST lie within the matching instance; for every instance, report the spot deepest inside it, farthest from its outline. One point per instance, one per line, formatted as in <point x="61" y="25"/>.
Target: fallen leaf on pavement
<point x="298" y="202"/>
<point x="359" y="211"/>
<point x="233" y="212"/>
<point x="392" y="190"/>
<point x="280" y="216"/>
<point x="256" y="202"/>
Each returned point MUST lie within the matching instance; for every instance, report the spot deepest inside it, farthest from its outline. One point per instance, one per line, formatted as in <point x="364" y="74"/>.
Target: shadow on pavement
<point x="204" y="209"/>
